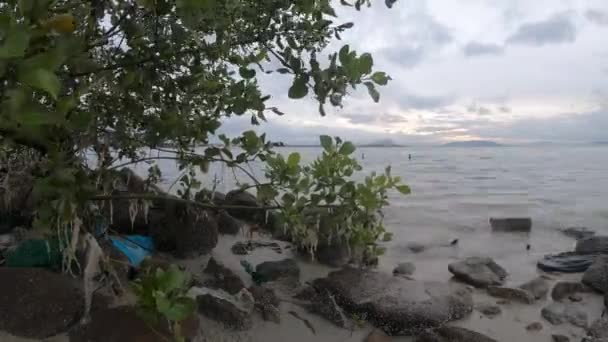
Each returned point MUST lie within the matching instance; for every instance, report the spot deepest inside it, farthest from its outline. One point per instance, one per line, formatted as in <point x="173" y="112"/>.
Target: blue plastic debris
<point x="135" y="247"/>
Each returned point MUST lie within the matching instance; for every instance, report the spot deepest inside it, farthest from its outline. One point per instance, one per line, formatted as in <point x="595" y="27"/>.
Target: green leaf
<point x="42" y="79"/>
<point x="294" y="159"/>
<point x="37" y="118"/>
<point x="404" y="189"/>
<point x="298" y="89"/>
<point x="347" y="148"/>
<point x="15" y="43"/>
<point x="366" y="62"/>
<point x="246" y="73"/>
<point x="326" y="142"/>
<point x="380" y="78"/>
<point x="371" y="89"/>
<point x="388" y="236"/>
<point x="343" y="55"/>
<point x="183" y="308"/>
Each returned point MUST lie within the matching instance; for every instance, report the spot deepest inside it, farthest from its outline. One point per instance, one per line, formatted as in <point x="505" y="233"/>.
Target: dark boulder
<point x="405" y="268"/>
<point x="560" y="338"/>
<point x="37" y="303"/>
<point x="122" y="324"/>
<point x="478" y="271"/>
<point x="223" y="278"/>
<point x="232" y="311"/>
<point x="244" y="199"/>
<point x="578" y="232"/>
<point x="453" y="334"/>
<point x="538" y="287"/>
<point x="489" y="310"/>
<point x="592" y="244"/>
<point x="564" y="289"/>
<point x="185" y="231"/>
<point x="395" y="304"/>
<point x="273" y="270"/>
<point x="228" y="224"/>
<point x="266" y="302"/>
<point x="511" y="224"/>
<point x="511" y="294"/>
<point x="335" y="255"/>
<point x="596" y="276"/>
<point x="324" y="304"/>
<point x="558" y="313"/>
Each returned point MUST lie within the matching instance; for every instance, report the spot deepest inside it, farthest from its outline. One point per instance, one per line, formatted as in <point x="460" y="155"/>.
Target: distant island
<point x="473" y="143"/>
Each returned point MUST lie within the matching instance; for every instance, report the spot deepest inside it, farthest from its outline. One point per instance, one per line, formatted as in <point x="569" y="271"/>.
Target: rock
<point x="336" y="255"/>
<point x="240" y="248"/>
<point x="405" y="268"/>
<point x="560" y="338"/>
<point x="273" y="270"/>
<point x="578" y="232"/>
<point x="535" y="326"/>
<point x="558" y="313"/>
<point x="511" y="224"/>
<point x="489" y="310"/>
<point x="511" y="294"/>
<point x="592" y="244"/>
<point x="122" y="324"/>
<point x="324" y="304"/>
<point x="227" y="224"/>
<point x="271" y="313"/>
<point x="453" y="334"/>
<point x="37" y="303"/>
<point x="416" y="247"/>
<point x="266" y="302"/>
<point x="264" y="295"/>
<point x="306" y="293"/>
<point x="478" y="271"/>
<point x="599" y="328"/>
<point x="245" y="199"/>
<point x="186" y="232"/>
<point x="223" y="278"/>
<point x="596" y="276"/>
<point x="233" y="311"/>
<point x="398" y="305"/>
<point x="575" y="298"/>
<point x="563" y="289"/>
<point x="377" y="335"/>
<point x="538" y="287"/>
<point x="125" y="326"/>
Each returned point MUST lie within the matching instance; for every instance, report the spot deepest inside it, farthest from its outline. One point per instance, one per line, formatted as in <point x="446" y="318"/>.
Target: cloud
<point x="473" y="108"/>
<point x="504" y="109"/>
<point x="422" y="102"/>
<point x="572" y="127"/>
<point x="422" y="36"/>
<point x="474" y="49"/>
<point x="597" y="16"/>
<point x="375" y="118"/>
<point x="557" y="29"/>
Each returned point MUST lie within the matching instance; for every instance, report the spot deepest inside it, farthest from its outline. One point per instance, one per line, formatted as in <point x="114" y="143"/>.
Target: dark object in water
<point x="528" y="247"/>
<point x="569" y="262"/>
<point x="409" y="156"/>
<point x="454" y="242"/>
<point x="511" y="224"/>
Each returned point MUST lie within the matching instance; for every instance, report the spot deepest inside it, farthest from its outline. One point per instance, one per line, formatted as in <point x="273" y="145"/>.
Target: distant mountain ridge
<point x="473" y="143"/>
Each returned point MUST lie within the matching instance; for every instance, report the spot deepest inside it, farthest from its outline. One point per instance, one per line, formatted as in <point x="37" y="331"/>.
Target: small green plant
<point x="162" y="295"/>
<point x="328" y="201"/>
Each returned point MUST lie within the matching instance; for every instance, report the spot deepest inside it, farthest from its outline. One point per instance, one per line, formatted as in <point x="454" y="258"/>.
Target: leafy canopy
<point x="119" y="78"/>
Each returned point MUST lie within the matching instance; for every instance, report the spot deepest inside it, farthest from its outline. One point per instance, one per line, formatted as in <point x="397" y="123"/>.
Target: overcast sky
<point x="506" y="70"/>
